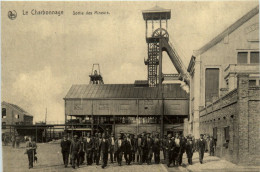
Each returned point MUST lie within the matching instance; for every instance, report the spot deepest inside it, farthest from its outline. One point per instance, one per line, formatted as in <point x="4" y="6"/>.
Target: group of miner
<point x="133" y="148"/>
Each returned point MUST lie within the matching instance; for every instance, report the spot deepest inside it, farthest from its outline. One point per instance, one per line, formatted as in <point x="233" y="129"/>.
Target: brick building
<point x="214" y="67"/>
<point x="225" y="92"/>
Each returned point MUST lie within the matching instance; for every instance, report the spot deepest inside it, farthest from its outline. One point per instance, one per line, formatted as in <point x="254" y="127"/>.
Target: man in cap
<point x="190" y="148"/>
<point x="95" y="140"/>
<point x="74" y="151"/>
<point x="139" y="143"/>
<point x="134" y="146"/>
<point x="119" y="149"/>
<point x="149" y="149"/>
<point x="211" y="146"/>
<point x="128" y="149"/>
<point x="81" y="151"/>
<point x="104" y="149"/>
<point x="112" y="147"/>
<point x="201" y="148"/>
<point x="177" y="148"/>
<point x="169" y="147"/>
<point x="97" y="147"/>
<point x="156" y="149"/>
<point x="65" y="150"/>
<point x="89" y="145"/>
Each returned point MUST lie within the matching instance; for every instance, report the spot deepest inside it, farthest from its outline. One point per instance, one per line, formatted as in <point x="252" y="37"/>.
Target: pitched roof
<point x="156" y="13"/>
<point x="228" y="31"/>
<point x="124" y="91"/>
<point x="17" y="108"/>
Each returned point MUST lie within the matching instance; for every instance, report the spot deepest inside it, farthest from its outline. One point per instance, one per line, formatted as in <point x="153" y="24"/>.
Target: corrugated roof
<point x="123" y="91"/>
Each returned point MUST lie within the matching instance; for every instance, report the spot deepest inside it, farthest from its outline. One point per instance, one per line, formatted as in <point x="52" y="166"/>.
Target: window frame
<point x="248" y="51"/>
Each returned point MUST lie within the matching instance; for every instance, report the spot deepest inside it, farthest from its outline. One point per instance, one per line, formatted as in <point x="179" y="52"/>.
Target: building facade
<point x="214" y="67"/>
<point x="224" y="95"/>
<point x="126" y="108"/>
<point x="14" y="115"/>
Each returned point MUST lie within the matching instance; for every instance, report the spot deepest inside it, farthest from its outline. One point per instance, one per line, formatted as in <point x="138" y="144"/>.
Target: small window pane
<point x="254" y="57"/>
<point x="3" y="112"/>
<point x="252" y="82"/>
<point x="242" y="57"/>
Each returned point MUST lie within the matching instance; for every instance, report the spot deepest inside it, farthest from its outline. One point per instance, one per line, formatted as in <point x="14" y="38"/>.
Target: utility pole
<point x="46" y="125"/>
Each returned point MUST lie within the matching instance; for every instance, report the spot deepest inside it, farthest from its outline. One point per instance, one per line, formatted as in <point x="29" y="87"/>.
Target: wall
<point x="239" y="110"/>
<point x="126" y="107"/>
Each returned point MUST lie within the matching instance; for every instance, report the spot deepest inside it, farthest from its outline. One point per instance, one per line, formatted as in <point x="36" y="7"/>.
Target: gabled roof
<point x="17" y="108"/>
<point x="228" y="31"/>
<point x="124" y="91"/>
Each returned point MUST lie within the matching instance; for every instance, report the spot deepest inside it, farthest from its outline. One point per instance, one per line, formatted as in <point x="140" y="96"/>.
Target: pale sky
<point x="42" y="56"/>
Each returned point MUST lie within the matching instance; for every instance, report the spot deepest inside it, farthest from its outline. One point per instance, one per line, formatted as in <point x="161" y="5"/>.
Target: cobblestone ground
<point x="50" y="159"/>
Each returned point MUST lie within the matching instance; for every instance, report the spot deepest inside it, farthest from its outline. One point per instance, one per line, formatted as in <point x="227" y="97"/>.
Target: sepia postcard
<point x="145" y="86"/>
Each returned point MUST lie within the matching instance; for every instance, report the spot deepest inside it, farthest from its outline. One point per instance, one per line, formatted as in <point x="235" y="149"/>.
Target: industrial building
<point x="14" y="115"/>
<point x="224" y="94"/>
<point x="145" y="106"/>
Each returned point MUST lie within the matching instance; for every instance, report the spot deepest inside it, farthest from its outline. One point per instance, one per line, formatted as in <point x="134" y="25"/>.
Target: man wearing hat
<point x="97" y="147"/>
<point x="88" y="147"/>
<point x="128" y="149"/>
<point x="139" y="144"/>
<point x="156" y="149"/>
<point x="201" y="147"/>
<point x="149" y="148"/>
<point x="95" y="140"/>
<point x="112" y="147"/>
<point x="74" y="151"/>
<point x="104" y="149"/>
<point x="65" y="150"/>
<point x="169" y="148"/>
<point x="119" y="148"/>
<point x="190" y="148"/>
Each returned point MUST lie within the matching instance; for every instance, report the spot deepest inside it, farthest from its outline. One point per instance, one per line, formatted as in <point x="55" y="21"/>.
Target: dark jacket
<point x="169" y="145"/>
<point x="88" y="146"/>
<point x="75" y="146"/>
<point x="127" y="145"/>
<point x="65" y="145"/>
<point x="149" y="143"/>
<point x="201" y="145"/>
<point x="157" y="144"/>
<point x="104" y="146"/>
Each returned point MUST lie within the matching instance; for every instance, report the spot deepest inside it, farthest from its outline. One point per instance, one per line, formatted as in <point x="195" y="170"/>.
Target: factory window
<point x="3" y="125"/>
<point x="211" y="84"/>
<point x="3" y="112"/>
<point x="226" y="133"/>
<point x="254" y="57"/>
<point x="215" y="129"/>
<point x="252" y="83"/>
<point x="242" y="57"/>
<point x="17" y="116"/>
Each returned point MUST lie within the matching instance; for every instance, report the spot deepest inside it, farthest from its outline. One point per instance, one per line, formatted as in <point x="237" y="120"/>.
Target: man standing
<point x="139" y="149"/>
<point x="182" y="149"/>
<point x="104" y="149"/>
<point x="119" y="149"/>
<point x="149" y="149"/>
<point x="169" y="149"/>
<point x="163" y="141"/>
<point x="128" y="149"/>
<point x="112" y="147"/>
<point x="134" y="146"/>
<point x="97" y="148"/>
<point x="74" y="151"/>
<point x="201" y="147"/>
<point x="211" y="146"/>
<point x="81" y="151"/>
<point x="65" y="150"/>
<point x="95" y="139"/>
<point x="190" y="148"/>
<point x="89" y="145"/>
<point x="177" y="149"/>
<point x="31" y="150"/>
<point x="156" y="149"/>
